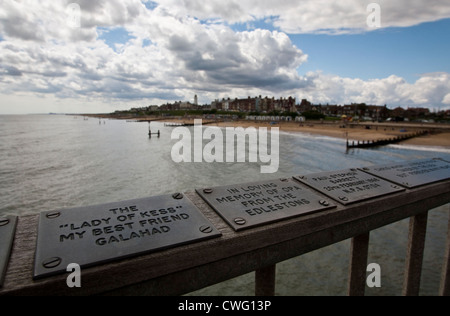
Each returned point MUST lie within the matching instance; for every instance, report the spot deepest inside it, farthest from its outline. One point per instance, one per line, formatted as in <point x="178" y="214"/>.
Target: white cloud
<point x="43" y="21"/>
<point x="182" y="56"/>
<point x="430" y="90"/>
<point x="446" y="99"/>
<point x="312" y="16"/>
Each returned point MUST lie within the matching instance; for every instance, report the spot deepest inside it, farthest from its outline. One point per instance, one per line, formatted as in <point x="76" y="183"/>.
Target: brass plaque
<point x="7" y="231"/>
<point x="413" y="174"/>
<point x="254" y="204"/>
<point x="349" y="186"/>
<point x="99" y="234"/>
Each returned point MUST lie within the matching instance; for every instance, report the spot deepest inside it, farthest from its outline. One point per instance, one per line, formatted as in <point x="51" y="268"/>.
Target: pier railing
<point x="195" y="266"/>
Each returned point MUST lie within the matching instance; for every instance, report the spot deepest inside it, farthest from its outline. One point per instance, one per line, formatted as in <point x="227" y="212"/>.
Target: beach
<point x="440" y="137"/>
<point x="364" y="131"/>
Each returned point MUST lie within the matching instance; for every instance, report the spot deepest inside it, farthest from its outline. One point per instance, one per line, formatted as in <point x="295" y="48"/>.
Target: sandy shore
<point x="377" y="131"/>
<point x="353" y="133"/>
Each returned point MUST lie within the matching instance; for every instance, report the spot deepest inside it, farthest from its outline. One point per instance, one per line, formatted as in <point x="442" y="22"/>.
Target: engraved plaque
<point x="254" y="204"/>
<point x="99" y="234"/>
<point x="414" y="173"/>
<point x="7" y="231"/>
<point x="349" y="186"/>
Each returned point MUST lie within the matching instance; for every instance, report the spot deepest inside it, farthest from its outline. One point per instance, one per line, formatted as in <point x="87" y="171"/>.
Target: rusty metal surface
<point x="7" y="230"/>
<point x="100" y="234"/>
<point x="253" y="204"/>
<point x="413" y="174"/>
<point x="349" y="186"/>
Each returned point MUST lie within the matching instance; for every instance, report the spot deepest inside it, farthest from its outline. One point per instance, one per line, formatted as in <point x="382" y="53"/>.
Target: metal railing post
<point x="445" y="279"/>
<point x="358" y="265"/>
<point x="414" y="258"/>
<point x="265" y="281"/>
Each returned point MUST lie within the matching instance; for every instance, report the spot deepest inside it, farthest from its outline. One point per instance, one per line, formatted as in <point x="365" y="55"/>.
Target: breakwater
<point x="384" y="142"/>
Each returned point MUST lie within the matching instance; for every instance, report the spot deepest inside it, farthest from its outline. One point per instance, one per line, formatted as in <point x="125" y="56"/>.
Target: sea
<point x="53" y="162"/>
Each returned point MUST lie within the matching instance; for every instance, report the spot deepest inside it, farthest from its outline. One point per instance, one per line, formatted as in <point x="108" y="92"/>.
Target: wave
<point x="313" y="136"/>
<point x="422" y="148"/>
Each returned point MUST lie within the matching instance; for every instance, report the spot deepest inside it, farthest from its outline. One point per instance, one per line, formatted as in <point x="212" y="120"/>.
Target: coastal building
<point x="153" y="108"/>
<point x="362" y="110"/>
<point x="413" y="113"/>
<point x="398" y="112"/>
<point x="256" y="104"/>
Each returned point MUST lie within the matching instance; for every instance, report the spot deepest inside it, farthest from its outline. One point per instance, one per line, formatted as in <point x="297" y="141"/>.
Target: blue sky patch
<point x="150" y="5"/>
<point x="378" y="54"/>
<point x="146" y="43"/>
<point x="114" y="36"/>
<point x="265" y="24"/>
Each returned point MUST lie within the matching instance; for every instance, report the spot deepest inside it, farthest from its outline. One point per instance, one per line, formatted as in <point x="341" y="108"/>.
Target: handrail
<point x="194" y="266"/>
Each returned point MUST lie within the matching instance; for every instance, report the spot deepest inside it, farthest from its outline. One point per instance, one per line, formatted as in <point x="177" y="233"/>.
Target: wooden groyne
<point x="384" y="142"/>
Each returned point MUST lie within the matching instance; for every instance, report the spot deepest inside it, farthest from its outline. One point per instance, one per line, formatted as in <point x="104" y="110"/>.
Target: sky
<point x="99" y="56"/>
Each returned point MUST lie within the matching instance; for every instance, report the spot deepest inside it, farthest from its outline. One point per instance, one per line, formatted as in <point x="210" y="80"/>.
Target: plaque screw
<point x="206" y="229"/>
<point x="177" y="196"/>
<point x="324" y="203"/>
<point x="284" y="180"/>
<point x="4" y="222"/>
<point x="240" y="221"/>
<point x="52" y="263"/>
<point x="53" y="215"/>
<point x="208" y="191"/>
<point x="343" y="198"/>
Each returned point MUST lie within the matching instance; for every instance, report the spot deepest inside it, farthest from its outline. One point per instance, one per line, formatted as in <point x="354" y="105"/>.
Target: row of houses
<point x="275" y="118"/>
<point x="257" y="104"/>
<point x="289" y="105"/>
<point x="247" y="105"/>
<point x="349" y="110"/>
<point x="374" y="112"/>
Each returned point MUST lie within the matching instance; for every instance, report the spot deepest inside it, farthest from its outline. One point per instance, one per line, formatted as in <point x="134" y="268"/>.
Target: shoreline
<point x="356" y="133"/>
<point x="352" y="132"/>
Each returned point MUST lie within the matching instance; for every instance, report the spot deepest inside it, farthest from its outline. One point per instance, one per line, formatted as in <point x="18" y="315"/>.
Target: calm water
<point x="54" y="162"/>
